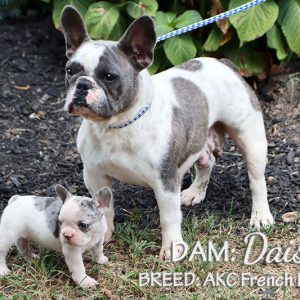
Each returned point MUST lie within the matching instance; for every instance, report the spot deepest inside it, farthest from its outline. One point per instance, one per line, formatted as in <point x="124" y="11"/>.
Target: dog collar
<point x="136" y="117"/>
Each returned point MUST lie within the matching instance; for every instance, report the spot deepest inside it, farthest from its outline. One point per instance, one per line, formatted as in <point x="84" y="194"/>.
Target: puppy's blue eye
<point x="83" y="226"/>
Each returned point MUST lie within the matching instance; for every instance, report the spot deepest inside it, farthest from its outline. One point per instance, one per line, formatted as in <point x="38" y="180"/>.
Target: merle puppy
<point x="70" y="224"/>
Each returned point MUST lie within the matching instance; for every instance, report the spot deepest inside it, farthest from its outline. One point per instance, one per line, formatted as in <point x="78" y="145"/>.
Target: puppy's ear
<point x="103" y="198"/>
<point x="138" y="42"/>
<point x="62" y="192"/>
<point x="74" y="29"/>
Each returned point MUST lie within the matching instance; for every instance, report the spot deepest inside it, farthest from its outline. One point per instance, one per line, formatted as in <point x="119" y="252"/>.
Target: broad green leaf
<point x="177" y="6"/>
<point x="180" y="49"/>
<point x="101" y="18"/>
<point x="158" y="59"/>
<point x="255" y="21"/>
<point x="137" y="8"/>
<point x="187" y="18"/>
<point x="164" y="22"/>
<point x="199" y="47"/>
<point x="214" y="39"/>
<point x="275" y="40"/>
<point x="119" y="29"/>
<point x="165" y="18"/>
<point x="248" y="61"/>
<point x="289" y="19"/>
<point x="58" y="6"/>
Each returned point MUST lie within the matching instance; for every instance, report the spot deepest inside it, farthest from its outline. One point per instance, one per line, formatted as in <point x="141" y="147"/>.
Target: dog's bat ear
<point x="103" y="198"/>
<point x="62" y="192"/>
<point x="73" y="28"/>
<point x="138" y="42"/>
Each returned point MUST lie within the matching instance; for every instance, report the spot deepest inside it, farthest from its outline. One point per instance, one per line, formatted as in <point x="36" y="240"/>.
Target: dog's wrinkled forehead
<point x="88" y="56"/>
<point x="81" y="208"/>
<point x="94" y="55"/>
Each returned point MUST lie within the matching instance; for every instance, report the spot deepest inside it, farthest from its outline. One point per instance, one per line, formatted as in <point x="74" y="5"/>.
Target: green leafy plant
<point x="254" y="39"/>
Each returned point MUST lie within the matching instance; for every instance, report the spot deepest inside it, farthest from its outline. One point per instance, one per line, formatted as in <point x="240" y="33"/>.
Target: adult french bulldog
<point x="149" y="130"/>
<point x="68" y="223"/>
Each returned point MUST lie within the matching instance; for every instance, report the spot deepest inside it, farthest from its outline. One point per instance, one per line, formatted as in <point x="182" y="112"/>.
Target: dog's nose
<point x="68" y="236"/>
<point x="83" y="84"/>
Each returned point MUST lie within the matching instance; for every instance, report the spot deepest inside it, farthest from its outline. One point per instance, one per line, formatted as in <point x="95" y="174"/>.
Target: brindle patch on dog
<point x="88" y="208"/>
<point x="51" y="207"/>
<point x="191" y="65"/>
<point x="190" y="129"/>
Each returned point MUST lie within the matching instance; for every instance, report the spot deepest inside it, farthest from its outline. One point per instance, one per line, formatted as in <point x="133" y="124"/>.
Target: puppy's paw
<point x="4" y="271"/>
<point x="88" y="282"/>
<point x="31" y="257"/>
<point x="261" y="217"/>
<point x="166" y="251"/>
<point x="192" y="196"/>
<point x="102" y="260"/>
<point x="35" y="256"/>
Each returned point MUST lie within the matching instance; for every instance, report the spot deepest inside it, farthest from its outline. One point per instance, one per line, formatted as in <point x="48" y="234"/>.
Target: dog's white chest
<point x="123" y="165"/>
<point x="117" y="156"/>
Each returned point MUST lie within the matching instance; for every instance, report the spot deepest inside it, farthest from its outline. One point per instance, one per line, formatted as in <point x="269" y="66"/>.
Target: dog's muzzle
<point x="83" y="85"/>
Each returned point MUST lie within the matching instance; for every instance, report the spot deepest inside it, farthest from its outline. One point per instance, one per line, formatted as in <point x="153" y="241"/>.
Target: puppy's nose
<point x="83" y="84"/>
<point x="68" y="236"/>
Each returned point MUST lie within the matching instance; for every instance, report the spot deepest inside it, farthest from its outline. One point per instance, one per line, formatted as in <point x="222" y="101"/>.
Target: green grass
<point x="135" y="248"/>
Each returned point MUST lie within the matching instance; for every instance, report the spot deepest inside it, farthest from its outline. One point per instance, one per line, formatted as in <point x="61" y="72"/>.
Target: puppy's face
<point x="101" y="76"/>
<point x="80" y="218"/>
<point x="80" y="222"/>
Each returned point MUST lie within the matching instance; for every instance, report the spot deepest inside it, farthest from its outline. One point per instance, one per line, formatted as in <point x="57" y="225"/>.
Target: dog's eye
<point x="69" y="71"/>
<point x="110" y="77"/>
<point x="59" y="222"/>
<point x="83" y="226"/>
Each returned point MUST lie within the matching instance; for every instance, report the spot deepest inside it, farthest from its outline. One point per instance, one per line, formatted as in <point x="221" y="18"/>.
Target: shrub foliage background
<point x="254" y="40"/>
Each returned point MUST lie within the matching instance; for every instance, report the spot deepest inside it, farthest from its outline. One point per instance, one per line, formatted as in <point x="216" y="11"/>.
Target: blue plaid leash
<point x="136" y="117"/>
<point x="210" y="20"/>
<point x="184" y="30"/>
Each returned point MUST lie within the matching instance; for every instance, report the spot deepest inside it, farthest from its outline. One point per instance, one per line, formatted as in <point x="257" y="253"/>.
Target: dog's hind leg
<point x="197" y="191"/>
<point x="252" y="143"/>
<point x="23" y="246"/>
<point x="7" y="239"/>
<point x="204" y="165"/>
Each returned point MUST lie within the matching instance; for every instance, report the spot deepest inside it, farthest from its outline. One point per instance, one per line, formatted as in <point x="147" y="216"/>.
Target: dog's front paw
<point x="261" y="217"/>
<point x="31" y="257"/>
<point x="171" y="252"/>
<point x="35" y="256"/>
<point x="4" y="271"/>
<point x="192" y="196"/>
<point x="88" y="282"/>
<point x="102" y="260"/>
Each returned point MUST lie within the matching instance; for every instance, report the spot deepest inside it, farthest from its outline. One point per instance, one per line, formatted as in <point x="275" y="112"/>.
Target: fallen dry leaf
<point x="107" y="293"/>
<point x="216" y="9"/>
<point x="37" y="115"/>
<point x="227" y="37"/>
<point x="291" y="217"/>
<point x="23" y="87"/>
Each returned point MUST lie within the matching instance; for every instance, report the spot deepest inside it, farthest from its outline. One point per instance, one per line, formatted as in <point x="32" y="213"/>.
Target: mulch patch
<point x="38" y="138"/>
